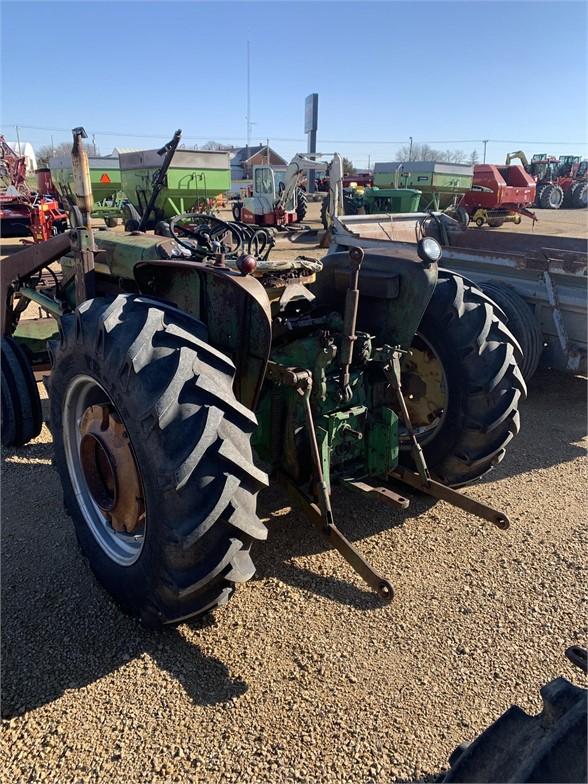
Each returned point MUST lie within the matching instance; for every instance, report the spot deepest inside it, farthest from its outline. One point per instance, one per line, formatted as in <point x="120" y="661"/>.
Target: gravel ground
<point x="304" y="676"/>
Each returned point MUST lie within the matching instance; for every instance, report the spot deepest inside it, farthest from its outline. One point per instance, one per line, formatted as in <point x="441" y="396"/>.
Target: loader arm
<point x="520" y="155"/>
<point x="334" y="170"/>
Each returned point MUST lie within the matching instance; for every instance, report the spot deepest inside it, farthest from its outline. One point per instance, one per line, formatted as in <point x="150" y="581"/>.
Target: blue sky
<point x="440" y="71"/>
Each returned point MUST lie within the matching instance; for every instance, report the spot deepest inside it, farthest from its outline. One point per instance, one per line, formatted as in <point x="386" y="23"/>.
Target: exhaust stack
<point x="82" y="185"/>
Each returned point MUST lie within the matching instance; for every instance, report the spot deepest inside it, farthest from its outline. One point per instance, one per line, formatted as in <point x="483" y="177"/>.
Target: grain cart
<point x="105" y="178"/>
<point x="177" y="361"/>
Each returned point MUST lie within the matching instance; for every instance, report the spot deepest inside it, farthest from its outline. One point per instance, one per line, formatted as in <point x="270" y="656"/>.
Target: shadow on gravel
<point x="292" y="535"/>
<point x="553" y="419"/>
<point x="59" y="629"/>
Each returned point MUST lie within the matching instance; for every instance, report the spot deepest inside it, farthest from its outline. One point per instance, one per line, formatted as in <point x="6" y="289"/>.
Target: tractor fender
<point x="234" y="308"/>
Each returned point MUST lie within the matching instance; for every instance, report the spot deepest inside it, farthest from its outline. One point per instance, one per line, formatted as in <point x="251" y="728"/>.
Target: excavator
<point x="277" y="198"/>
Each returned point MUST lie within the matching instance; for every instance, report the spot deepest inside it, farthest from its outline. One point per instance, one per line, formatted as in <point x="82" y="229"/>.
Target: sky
<point x="447" y="73"/>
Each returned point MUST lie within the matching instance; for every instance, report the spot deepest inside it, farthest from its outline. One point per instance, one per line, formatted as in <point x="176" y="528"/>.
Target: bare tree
<point x="46" y="151"/>
<point x="348" y="167"/>
<point x="213" y="146"/>
<point x="423" y="152"/>
<point x="419" y="152"/>
<point x="474" y="157"/>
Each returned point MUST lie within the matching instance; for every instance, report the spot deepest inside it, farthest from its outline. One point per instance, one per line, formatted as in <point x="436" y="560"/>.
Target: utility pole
<point x="248" y="118"/>
<point x="18" y="140"/>
<point x="369" y="160"/>
<point x="410" y="149"/>
<point x="52" y="147"/>
<point x="485" y="142"/>
<point x="94" y="142"/>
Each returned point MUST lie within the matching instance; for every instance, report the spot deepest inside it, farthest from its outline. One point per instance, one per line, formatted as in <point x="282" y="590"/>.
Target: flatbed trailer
<point x="547" y="273"/>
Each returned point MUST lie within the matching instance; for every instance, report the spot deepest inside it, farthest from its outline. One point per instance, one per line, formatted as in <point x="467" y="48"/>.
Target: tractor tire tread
<point x="487" y="381"/>
<point x="194" y="454"/>
<point x="22" y="417"/>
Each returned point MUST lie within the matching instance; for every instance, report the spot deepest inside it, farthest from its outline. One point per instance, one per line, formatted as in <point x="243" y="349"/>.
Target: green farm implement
<point x="190" y="369"/>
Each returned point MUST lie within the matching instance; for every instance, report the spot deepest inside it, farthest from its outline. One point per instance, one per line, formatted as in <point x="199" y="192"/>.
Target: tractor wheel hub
<point x="110" y="469"/>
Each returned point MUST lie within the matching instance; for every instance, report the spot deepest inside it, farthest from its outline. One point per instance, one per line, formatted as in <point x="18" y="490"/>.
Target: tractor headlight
<point x="429" y="250"/>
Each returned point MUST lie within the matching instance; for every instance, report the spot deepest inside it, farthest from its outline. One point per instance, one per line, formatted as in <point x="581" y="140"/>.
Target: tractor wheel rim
<point x="426" y="391"/>
<point x="103" y="470"/>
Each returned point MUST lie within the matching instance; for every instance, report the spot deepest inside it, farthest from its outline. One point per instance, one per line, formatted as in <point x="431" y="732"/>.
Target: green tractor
<point x="186" y="372"/>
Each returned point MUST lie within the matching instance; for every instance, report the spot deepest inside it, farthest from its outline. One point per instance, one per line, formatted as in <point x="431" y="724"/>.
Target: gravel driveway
<point x="305" y="676"/>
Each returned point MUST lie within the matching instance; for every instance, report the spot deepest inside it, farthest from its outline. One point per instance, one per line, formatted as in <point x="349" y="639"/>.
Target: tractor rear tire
<point x="551" y="197"/>
<point x="480" y="359"/>
<point x="301" y="205"/>
<point x="521" y="322"/>
<point x="580" y="195"/>
<point x="171" y="395"/>
<point x="22" y="417"/>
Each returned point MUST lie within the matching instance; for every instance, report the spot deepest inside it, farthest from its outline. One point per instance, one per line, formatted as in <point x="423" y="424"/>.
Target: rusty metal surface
<point x="385" y="494"/>
<point x="110" y="469"/>
<point x="380" y="584"/>
<point x="437" y="490"/>
<point x="24" y="263"/>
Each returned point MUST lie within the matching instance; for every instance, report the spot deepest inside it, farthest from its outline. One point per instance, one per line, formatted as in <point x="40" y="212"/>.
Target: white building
<point x="25" y="149"/>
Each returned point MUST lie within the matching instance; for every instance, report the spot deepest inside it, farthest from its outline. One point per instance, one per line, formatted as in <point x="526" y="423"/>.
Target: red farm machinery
<point x="499" y="194"/>
<point x="561" y="182"/>
<point x="23" y="212"/>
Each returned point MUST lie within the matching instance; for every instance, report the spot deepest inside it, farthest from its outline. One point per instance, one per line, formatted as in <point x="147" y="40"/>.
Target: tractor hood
<point x="394" y="291"/>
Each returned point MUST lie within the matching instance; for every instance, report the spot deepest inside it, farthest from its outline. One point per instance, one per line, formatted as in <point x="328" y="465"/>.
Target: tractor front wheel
<point x="462" y="383"/>
<point x="154" y="457"/>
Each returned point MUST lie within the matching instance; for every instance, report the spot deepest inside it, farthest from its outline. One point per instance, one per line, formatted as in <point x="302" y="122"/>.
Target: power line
<point x="211" y="137"/>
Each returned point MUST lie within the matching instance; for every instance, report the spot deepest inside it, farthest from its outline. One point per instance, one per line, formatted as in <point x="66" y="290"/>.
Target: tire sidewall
<point x="129" y="584"/>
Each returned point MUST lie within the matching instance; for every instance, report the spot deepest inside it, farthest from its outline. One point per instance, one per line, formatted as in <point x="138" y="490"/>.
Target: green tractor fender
<point x="234" y="308"/>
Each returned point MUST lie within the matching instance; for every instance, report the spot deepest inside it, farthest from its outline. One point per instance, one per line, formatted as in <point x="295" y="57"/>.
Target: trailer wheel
<point x="462" y="383"/>
<point x="154" y="457"/>
<point x="495" y="223"/>
<point x="301" y="205"/>
<point x="551" y="197"/>
<point x="237" y="211"/>
<point x="22" y="417"/>
<point x="521" y="322"/>
<point x="111" y="221"/>
<point x="580" y="195"/>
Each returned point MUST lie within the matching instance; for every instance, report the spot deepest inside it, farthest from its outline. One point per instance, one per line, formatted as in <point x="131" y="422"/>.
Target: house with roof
<point x="243" y="159"/>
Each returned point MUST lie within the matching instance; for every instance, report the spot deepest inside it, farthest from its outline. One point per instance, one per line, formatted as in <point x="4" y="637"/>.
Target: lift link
<point x="322" y="516"/>
<point x="422" y="480"/>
